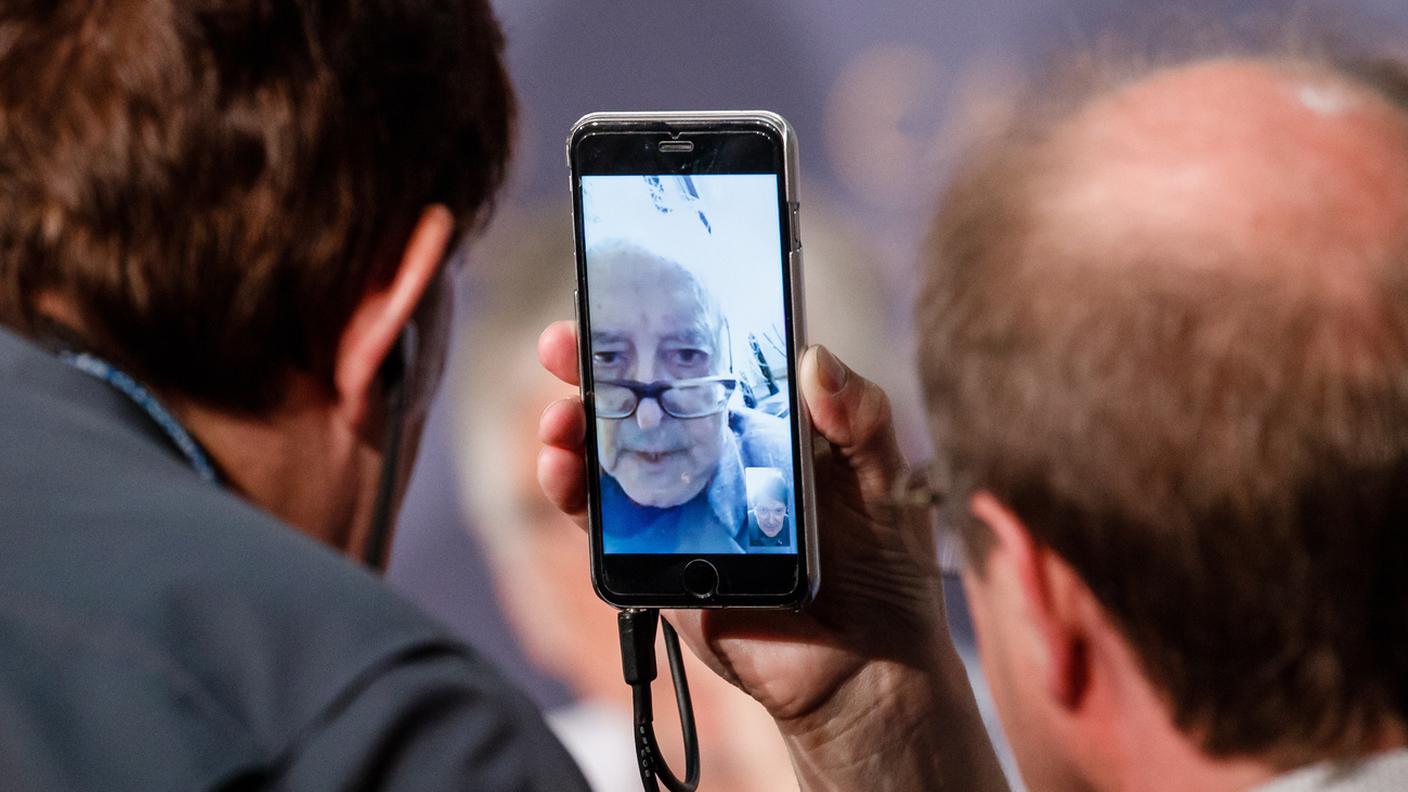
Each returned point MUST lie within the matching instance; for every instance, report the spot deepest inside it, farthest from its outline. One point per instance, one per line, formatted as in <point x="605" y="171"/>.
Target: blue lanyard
<point x="143" y="398"/>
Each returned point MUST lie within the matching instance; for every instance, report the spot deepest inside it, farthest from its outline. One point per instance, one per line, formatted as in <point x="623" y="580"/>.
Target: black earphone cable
<point x="637" y="628"/>
<point x="394" y="375"/>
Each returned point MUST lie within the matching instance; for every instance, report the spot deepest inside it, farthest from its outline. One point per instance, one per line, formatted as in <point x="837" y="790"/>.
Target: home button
<point x="700" y="578"/>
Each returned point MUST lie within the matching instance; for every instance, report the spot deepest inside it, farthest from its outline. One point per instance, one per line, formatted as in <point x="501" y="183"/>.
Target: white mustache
<point x="660" y="440"/>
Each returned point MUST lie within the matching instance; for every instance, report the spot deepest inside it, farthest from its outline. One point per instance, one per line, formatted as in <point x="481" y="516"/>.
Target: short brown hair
<point x="215" y="184"/>
<point x="1223" y="459"/>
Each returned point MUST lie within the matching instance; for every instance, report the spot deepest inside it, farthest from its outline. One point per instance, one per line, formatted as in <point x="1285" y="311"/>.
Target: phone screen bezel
<point x="721" y="146"/>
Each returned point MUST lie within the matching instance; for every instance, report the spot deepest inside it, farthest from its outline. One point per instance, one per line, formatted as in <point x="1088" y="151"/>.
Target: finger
<point x="563" y="478"/>
<point x="557" y="349"/>
<point x="563" y="424"/>
<point x="853" y="414"/>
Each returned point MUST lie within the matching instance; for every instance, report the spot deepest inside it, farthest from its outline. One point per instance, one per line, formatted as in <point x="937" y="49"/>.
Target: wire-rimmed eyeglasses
<point x="686" y="398"/>
<point x="922" y="494"/>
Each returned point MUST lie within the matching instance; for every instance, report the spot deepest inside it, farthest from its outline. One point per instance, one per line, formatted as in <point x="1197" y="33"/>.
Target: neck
<point x="1143" y="750"/>
<point x="1183" y="768"/>
<point x="293" y="463"/>
<point x="1172" y="763"/>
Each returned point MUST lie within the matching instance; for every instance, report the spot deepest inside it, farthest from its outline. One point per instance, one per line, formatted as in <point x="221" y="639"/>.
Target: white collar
<point x="1382" y="772"/>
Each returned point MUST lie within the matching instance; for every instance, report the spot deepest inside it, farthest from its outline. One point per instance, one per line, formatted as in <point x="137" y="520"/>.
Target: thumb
<point x="853" y="414"/>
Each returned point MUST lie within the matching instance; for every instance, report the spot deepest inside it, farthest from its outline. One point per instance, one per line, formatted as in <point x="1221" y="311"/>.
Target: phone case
<point x="806" y="483"/>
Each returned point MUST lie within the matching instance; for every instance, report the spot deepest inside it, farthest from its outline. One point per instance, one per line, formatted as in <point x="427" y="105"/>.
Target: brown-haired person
<point x="221" y="226"/>
<point x="1165" y="353"/>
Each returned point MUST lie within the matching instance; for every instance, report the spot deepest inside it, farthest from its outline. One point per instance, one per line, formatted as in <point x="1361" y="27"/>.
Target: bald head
<point x="1168" y="327"/>
<point x="636" y="289"/>
<point x="1254" y="162"/>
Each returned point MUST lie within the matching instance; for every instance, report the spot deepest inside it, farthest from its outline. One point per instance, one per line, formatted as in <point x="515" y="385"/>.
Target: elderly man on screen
<point x="673" y="439"/>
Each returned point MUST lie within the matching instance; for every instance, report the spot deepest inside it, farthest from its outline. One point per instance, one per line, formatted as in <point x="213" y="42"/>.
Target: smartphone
<point x="689" y="308"/>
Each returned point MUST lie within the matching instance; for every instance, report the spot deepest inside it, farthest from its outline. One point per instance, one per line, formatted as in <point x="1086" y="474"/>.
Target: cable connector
<point x="637" y="627"/>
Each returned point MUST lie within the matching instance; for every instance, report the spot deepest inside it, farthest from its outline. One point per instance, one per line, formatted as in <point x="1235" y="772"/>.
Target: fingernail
<point x="833" y="372"/>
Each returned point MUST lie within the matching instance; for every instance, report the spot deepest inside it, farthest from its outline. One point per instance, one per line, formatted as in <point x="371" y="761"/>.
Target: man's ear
<point x="378" y="319"/>
<point x="1053" y="596"/>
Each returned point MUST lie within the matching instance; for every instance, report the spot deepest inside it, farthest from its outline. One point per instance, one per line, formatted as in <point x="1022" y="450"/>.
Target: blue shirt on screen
<point x="715" y="520"/>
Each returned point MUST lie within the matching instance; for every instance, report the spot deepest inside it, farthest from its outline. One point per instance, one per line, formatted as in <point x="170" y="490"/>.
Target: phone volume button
<point x="796" y="223"/>
<point x="577" y="320"/>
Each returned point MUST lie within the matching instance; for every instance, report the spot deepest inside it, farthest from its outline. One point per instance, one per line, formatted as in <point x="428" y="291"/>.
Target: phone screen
<point x="690" y="370"/>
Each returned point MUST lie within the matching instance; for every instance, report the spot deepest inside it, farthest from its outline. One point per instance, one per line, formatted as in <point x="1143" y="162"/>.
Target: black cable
<point x="637" y="627"/>
<point x="394" y="381"/>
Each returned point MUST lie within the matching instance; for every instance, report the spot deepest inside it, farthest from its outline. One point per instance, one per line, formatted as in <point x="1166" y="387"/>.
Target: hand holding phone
<point x="872" y="651"/>
<point x="871" y="654"/>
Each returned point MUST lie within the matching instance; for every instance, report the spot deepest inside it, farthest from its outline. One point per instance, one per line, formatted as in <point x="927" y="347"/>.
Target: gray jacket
<point x="159" y="633"/>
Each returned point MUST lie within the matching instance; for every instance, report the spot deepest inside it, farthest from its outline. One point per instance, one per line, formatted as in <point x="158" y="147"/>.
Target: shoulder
<point x="106" y="521"/>
<point x="171" y="603"/>
<point x="431" y="720"/>
<point x="764" y="440"/>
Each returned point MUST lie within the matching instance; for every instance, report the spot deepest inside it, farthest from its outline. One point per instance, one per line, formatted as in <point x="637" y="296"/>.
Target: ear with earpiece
<point x="365" y="363"/>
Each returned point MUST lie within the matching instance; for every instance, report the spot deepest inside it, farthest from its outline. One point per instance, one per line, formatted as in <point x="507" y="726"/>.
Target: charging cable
<point x="637" y="627"/>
